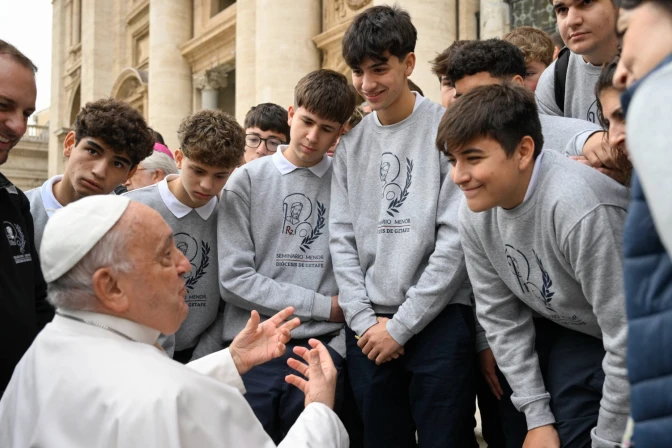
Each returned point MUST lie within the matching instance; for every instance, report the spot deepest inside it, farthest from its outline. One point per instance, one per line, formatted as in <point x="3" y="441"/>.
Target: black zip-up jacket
<point x="24" y="310"/>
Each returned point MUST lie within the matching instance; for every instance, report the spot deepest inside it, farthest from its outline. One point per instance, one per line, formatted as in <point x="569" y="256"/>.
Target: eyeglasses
<point x="272" y="143"/>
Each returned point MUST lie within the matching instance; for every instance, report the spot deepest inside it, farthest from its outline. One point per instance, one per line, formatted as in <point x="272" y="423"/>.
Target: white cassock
<point x="83" y="386"/>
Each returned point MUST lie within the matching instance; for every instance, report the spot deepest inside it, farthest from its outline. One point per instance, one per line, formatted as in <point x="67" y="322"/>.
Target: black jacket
<point x="24" y="309"/>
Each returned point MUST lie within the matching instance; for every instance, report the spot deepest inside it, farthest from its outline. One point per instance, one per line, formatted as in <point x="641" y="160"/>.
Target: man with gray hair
<point x="95" y="376"/>
<point x="23" y="306"/>
<point x="153" y="169"/>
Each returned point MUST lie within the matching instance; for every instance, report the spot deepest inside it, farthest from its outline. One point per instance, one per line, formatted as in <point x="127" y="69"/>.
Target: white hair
<point x="74" y="289"/>
<point x="159" y="161"/>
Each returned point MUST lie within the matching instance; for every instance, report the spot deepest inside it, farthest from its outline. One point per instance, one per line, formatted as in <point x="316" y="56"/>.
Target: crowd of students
<point x="499" y="245"/>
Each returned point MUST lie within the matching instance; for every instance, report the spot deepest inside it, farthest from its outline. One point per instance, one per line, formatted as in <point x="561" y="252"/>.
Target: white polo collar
<point x="176" y="207"/>
<point x="535" y="176"/>
<point x="285" y="166"/>
<point x="49" y="201"/>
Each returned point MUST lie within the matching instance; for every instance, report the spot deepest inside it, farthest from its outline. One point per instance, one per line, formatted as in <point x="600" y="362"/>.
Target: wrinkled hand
<point x="489" y="370"/>
<point x="618" y="175"/>
<point x="377" y="344"/>
<point x="542" y="437"/>
<point x="319" y="384"/>
<point x="259" y="343"/>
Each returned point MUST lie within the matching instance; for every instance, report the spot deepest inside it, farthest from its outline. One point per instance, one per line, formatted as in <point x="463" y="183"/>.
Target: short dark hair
<point x="119" y="125"/>
<point x="158" y="138"/>
<point x="604" y="82"/>
<point x="213" y="138"/>
<point x="326" y="93"/>
<point x="268" y="117"/>
<point x="378" y="30"/>
<point x="13" y="52"/>
<point x="440" y="62"/>
<point x="503" y="112"/>
<point x="501" y="59"/>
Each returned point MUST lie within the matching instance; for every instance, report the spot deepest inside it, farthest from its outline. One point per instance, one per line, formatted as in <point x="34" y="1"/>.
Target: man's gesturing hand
<point x="320" y="385"/>
<point x="259" y="343"/>
<point x="377" y="344"/>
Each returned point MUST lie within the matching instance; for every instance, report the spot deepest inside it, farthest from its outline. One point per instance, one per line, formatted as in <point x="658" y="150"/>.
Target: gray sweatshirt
<point x="393" y="225"/>
<point x="195" y="234"/>
<point x="580" y="101"/>
<point x="273" y="242"/>
<point x="566" y="135"/>
<point x="558" y="256"/>
<point x="43" y="204"/>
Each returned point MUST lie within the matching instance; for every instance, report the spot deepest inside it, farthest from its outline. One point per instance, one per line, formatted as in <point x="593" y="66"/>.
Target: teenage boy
<point x="495" y="61"/>
<point x="274" y="243"/>
<point x="645" y="68"/>
<point x="545" y="263"/>
<point x="440" y="68"/>
<point x="401" y="275"/>
<point x="109" y="141"/>
<point x="537" y="48"/>
<point x="265" y="129"/>
<point x="212" y="145"/>
<point x="566" y="88"/>
<point x="24" y="309"/>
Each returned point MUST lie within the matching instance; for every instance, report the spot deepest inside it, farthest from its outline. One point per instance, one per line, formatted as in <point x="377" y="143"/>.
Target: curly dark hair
<point x="213" y="138"/>
<point x="118" y="125"/>
<point x="499" y="58"/>
<point x="440" y="62"/>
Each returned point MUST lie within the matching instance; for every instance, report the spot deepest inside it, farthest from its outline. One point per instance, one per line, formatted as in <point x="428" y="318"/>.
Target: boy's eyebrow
<point x="101" y="149"/>
<point x="468" y="151"/>
<point x="376" y="65"/>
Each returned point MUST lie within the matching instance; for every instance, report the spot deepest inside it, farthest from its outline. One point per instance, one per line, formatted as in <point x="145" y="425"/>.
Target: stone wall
<point x="536" y="13"/>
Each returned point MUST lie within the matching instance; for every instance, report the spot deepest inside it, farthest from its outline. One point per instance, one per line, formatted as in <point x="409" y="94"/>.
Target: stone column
<point x="170" y="88"/>
<point x="76" y="21"/>
<point x="97" y="50"/>
<point x="246" y="81"/>
<point x="436" y="23"/>
<point x="58" y="107"/>
<point x="209" y="84"/>
<point x="468" y="25"/>
<point x="285" y="32"/>
<point x="495" y="20"/>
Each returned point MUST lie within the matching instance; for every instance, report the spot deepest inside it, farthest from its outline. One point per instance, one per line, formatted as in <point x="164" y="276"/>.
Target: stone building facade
<point x="169" y="58"/>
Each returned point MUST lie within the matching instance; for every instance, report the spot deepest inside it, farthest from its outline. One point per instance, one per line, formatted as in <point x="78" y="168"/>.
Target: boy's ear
<point x="178" y="158"/>
<point x="409" y="63"/>
<point x="518" y="80"/>
<point x="69" y="144"/>
<point x="290" y="115"/>
<point x="525" y="152"/>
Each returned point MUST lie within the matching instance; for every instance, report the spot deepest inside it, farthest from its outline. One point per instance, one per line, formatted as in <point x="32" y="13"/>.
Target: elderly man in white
<point x="95" y="377"/>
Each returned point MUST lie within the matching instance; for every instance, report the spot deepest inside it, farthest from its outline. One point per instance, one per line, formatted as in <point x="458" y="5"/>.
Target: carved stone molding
<point x="357" y="4"/>
<point x="215" y="79"/>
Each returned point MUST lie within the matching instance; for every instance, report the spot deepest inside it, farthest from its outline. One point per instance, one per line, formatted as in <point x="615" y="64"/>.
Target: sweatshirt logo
<point x="198" y="256"/>
<point x="390" y="170"/>
<point x="17" y="240"/>
<point x="298" y="210"/>
<point x="520" y="268"/>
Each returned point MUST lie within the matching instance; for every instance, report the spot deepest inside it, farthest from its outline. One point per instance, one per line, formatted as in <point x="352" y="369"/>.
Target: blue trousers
<point x="429" y="389"/>
<point x="276" y="403"/>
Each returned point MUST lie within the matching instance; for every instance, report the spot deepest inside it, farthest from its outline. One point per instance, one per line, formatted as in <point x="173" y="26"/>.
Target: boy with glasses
<point x="266" y="128"/>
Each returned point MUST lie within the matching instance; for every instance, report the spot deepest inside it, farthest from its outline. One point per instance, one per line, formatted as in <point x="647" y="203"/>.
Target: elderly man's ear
<point x="108" y="291"/>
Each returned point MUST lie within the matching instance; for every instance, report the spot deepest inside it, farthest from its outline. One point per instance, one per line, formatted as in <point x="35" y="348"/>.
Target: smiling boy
<point x="109" y="141"/>
<point x="545" y="263"/>
<point x="397" y="257"/>
<point x="211" y="147"/>
<point x="274" y="244"/>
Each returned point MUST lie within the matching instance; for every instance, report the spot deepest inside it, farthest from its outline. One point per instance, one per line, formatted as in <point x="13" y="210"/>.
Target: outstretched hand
<point x="320" y="385"/>
<point x="261" y="342"/>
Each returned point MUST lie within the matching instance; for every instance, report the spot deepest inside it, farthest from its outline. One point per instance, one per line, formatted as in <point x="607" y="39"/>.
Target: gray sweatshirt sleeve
<point x="577" y="142"/>
<point x="510" y="332"/>
<point x="241" y="284"/>
<point x="545" y="93"/>
<point x="352" y="296"/>
<point x="444" y="276"/>
<point x="593" y="248"/>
